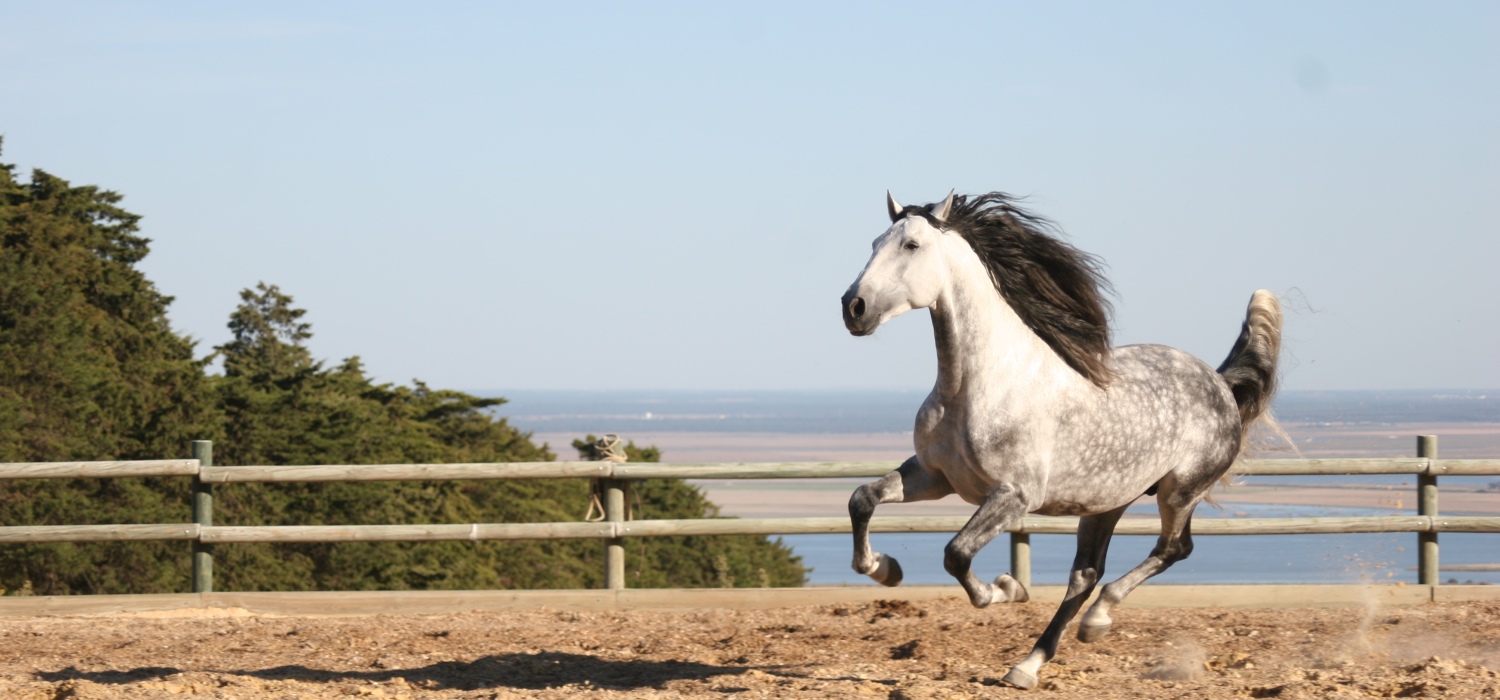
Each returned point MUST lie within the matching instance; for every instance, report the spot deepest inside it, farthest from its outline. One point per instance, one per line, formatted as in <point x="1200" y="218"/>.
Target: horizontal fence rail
<point x="655" y="470"/>
<point x="99" y="470"/>
<point x="1039" y="525"/>
<point x="615" y="528"/>
<point x="768" y="470"/>
<point x="99" y="533"/>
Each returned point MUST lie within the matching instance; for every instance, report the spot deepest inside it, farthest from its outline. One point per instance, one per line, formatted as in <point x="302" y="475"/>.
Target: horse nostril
<point x="857" y="307"/>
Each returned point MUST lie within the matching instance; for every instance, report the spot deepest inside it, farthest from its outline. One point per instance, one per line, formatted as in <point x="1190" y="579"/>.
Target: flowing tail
<point x="1250" y="369"/>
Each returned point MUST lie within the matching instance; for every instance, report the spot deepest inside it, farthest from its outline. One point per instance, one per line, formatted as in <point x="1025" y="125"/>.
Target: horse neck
<point x="985" y="351"/>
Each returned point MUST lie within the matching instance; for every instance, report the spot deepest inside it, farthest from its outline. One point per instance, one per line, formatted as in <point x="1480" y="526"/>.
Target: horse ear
<point x="893" y="207"/>
<point x="940" y="211"/>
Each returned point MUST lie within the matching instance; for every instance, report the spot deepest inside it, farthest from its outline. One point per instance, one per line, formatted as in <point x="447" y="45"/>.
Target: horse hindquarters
<point x="1249" y="373"/>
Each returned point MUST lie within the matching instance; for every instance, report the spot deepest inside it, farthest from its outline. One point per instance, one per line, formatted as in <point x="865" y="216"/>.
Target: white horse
<point x="1034" y="412"/>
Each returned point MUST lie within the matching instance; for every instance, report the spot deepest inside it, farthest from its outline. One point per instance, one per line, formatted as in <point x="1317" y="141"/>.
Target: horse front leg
<point x="1001" y="510"/>
<point x="910" y="482"/>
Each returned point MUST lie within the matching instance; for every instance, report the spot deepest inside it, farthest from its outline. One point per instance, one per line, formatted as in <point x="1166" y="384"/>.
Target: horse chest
<point x="973" y="456"/>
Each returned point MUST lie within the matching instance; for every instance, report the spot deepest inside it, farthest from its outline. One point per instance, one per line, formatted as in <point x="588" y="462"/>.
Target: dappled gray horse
<point x="1034" y="412"/>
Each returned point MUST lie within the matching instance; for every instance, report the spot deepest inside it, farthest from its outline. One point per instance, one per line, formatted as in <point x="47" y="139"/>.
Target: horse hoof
<point x="887" y="572"/>
<point x="1092" y="633"/>
<point x="1014" y="591"/>
<point x="1025" y="680"/>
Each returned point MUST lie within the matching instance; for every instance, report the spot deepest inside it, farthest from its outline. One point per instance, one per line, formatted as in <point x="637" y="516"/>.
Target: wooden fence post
<point x="612" y="494"/>
<point x="614" y="547"/>
<point x="1020" y="557"/>
<point x="203" y="515"/>
<point x="1427" y="504"/>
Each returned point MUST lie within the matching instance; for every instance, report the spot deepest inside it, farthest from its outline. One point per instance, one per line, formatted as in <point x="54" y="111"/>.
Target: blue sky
<point x="569" y="195"/>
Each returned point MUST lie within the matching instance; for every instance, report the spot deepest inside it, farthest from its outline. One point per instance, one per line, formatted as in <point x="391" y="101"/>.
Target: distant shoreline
<point x="833" y="412"/>
<point x="1451" y="501"/>
<point x="782" y="499"/>
<point x="1457" y="440"/>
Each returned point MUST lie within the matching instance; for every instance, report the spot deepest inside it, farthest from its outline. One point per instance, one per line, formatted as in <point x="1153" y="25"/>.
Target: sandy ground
<point x="889" y="649"/>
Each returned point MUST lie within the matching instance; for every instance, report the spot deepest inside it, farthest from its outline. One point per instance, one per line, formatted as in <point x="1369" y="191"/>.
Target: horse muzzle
<point x="855" y="317"/>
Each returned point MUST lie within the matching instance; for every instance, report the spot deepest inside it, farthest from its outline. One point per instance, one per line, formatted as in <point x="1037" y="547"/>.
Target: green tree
<point x="283" y="407"/>
<point x="89" y="369"/>
<point x="89" y="366"/>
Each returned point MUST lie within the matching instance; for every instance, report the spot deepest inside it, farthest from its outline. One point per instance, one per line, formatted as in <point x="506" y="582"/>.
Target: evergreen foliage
<point x="90" y="369"/>
<point x="283" y="407"/>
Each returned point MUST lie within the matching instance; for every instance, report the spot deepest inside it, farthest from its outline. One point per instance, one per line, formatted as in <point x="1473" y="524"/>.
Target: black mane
<point x="1056" y="289"/>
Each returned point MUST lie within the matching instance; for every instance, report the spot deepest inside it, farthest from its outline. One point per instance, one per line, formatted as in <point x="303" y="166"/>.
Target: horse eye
<point x="911" y="245"/>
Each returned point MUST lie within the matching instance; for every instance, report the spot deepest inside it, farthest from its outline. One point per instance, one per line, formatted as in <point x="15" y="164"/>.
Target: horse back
<point x="1166" y="412"/>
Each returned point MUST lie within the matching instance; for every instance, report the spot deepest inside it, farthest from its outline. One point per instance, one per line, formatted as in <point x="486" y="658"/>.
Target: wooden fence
<point x="613" y="477"/>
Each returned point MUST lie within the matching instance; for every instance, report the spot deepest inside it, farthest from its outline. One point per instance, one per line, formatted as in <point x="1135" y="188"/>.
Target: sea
<point x="1320" y="424"/>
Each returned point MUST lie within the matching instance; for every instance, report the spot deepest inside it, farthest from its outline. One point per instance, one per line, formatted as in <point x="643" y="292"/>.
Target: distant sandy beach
<point x="696" y="448"/>
<point x="1470" y="440"/>
<point x="788" y="498"/>
<point x="806" y="498"/>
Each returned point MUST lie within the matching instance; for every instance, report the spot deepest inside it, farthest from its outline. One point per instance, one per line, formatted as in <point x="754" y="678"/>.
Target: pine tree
<point x="283" y="407"/>
<point x="89" y="369"/>
<point x="89" y="366"/>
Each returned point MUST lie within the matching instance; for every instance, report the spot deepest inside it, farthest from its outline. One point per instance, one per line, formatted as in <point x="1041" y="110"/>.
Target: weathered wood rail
<point x="1427" y="523"/>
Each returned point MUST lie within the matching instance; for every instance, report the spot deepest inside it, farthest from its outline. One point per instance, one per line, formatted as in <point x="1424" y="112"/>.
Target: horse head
<point x="906" y="268"/>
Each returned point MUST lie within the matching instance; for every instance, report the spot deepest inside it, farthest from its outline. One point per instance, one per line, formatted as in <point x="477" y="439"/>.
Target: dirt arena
<point x="887" y="649"/>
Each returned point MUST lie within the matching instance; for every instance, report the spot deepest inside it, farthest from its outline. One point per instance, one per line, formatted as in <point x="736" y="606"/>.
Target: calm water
<point x="1356" y="558"/>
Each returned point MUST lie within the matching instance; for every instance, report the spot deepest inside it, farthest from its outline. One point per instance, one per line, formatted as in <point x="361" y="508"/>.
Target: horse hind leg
<point x="910" y="482"/>
<point x="1173" y="545"/>
<point x="1094" y="534"/>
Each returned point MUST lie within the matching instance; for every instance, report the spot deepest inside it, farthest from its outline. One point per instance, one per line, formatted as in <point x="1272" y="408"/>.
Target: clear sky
<point x="631" y="195"/>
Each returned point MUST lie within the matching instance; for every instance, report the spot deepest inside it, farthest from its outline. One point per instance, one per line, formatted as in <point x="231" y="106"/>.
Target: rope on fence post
<point x="608" y="498"/>
<point x="203" y="515"/>
<point x="1427" y="504"/>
